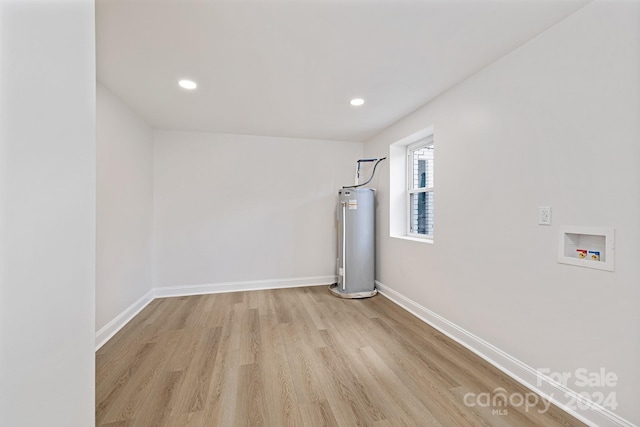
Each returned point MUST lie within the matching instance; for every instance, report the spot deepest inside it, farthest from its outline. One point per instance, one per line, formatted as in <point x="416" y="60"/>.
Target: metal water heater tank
<point x="356" y="244"/>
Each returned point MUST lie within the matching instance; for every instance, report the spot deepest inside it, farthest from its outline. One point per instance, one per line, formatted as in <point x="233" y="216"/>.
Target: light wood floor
<point x="295" y="357"/>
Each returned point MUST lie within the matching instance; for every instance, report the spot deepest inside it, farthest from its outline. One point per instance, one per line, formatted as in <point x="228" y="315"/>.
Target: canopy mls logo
<point x="500" y="401"/>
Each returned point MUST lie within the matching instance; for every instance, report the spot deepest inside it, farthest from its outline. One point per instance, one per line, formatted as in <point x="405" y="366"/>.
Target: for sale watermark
<point x="598" y="383"/>
<point x="581" y="377"/>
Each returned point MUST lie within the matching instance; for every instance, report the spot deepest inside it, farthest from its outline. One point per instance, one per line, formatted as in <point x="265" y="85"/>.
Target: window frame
<point x="409" y="190"/>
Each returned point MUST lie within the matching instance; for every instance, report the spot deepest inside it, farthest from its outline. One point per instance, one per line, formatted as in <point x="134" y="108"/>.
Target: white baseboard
<point x="558" y="394"/>
<point x="253" y="285"/>
<point x="111" y="328"/>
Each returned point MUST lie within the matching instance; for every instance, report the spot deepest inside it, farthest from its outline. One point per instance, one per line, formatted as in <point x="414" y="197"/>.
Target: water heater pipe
<point x="357" y="184"/>
<point x="344" y="246"/>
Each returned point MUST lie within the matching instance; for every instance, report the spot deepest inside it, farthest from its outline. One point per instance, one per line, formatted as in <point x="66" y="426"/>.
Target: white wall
<point x="47" y="213"/>
<point x="230" y="208"/>
<point x="555" y="122"/>
<point x="124" y="207"/>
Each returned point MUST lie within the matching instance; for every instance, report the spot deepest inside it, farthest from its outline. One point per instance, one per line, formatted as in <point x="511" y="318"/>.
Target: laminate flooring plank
<point x="128" y="423"/>
<point x="220" y="407"/>
<point x="313" y="308"/>
<point x="341" y="328"/>
<point x="397" y="396"/>
<point x="127" y="405"/>
<point x="158" y="309"/>
<point x="251" y="409"/>
<point x="183" y="316"/>
<point x="114" y="355"/>
<point x="137" y="326"/>
<point x="220" y="305"/>
<point x="364" y="307"/>
<point x="319" y="293"/>
<point x="205" y="311"/>
<point x="109" y="389"/>
<point x="191" y="419"/>
<point x="250" y="345"/>
<point x="118" y="357"/>
<point x="421" y="355"/>
<point x="386" y="423"/>
<point x="195" y="307"/>
<point x="283" y="406"/>
<point x="254" y="299"/>
<point x="193" y="394"/>
<point x="303" y="322"/>
<point x="318" y="414"/>
<point x="158" y="406"/>
<point x="385" y="404"/>
<point x="185" y="350"/>
<point x="343" y="403"/>
<point x="301" y="364"/>
<point x="237" y="297"/>
<point x="345" y="375"/>
<point x="323" y="397"/>
<point x="172" y="315"/>
<point x="281" y="306"/>
<point x="452" y="360"/>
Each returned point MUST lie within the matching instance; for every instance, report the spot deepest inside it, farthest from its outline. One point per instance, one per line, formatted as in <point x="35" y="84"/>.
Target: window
<point x="420" y="188"/>
<point x="411" y="173"/>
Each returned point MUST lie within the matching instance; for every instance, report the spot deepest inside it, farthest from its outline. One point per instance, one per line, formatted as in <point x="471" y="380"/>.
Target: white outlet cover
<point x="544" y="215"/>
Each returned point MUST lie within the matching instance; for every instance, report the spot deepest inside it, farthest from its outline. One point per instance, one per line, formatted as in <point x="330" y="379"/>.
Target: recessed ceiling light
<point x="356" y="102"/>
<point x="187" y="84"/>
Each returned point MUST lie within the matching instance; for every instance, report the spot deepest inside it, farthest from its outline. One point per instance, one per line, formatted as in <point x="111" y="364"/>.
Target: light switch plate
<point x="544" y="215"/>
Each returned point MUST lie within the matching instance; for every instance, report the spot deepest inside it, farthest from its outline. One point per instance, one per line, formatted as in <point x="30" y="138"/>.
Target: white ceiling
<point x="289" y="68"/>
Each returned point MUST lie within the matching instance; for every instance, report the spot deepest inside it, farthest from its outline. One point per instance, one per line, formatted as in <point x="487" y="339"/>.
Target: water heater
<point x="356" y="243"/>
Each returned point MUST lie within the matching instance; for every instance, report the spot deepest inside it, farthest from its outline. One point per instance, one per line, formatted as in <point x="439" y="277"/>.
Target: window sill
<point x="415" y="239"/>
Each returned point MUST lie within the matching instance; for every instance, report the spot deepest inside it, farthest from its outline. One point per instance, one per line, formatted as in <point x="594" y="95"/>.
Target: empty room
<point x="319" y="213"/>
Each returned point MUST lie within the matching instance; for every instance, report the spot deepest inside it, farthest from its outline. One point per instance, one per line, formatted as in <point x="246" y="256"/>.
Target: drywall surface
<point x="230" y="208"/>
<point x="47" y="213"/>
<point x="124" y="207"/>
<point x="553" y="123"/>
